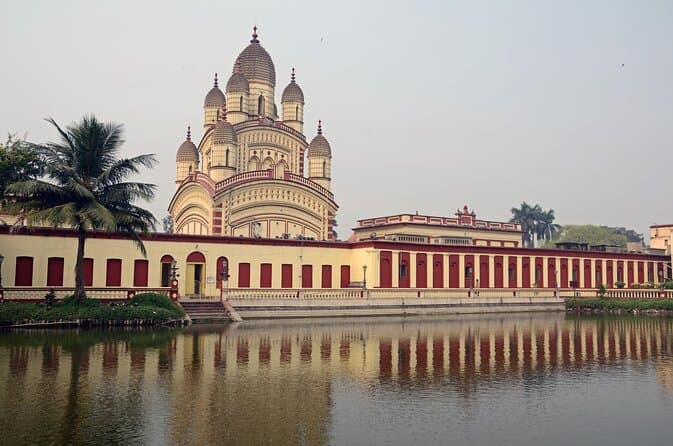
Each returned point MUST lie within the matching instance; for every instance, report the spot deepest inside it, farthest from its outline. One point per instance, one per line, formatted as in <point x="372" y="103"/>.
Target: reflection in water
<point x="295" y="382"/>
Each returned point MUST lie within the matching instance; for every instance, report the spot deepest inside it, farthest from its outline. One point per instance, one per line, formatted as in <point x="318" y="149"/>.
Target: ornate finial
<point x="224" y="112"/>
<point x="319" y="127"/>
<point x="254" y="35"/>
<point x="189" y="133"/>
<point x="292" y="79"/>
<point x="215" y="83"/>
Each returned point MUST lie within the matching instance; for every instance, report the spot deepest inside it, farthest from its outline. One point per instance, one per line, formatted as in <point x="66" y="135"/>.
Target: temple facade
<point x="252" y="172"/>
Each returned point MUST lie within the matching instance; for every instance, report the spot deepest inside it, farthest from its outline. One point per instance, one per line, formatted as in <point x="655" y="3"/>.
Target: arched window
<point x="166" y="270"/>
<point x="226" y="158"/>
<point x="240" y="103"/>
<point x="222" y="271"/>
<point x="296" y="113"/>
<point x="324" y="169"/>
<point x="260" y="105"/>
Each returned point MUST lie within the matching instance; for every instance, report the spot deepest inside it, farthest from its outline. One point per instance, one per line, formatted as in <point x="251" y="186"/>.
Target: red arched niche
<point x="196" y="257"/>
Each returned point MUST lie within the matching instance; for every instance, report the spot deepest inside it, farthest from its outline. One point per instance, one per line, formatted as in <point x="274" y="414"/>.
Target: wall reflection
<point x="270" y="382"/>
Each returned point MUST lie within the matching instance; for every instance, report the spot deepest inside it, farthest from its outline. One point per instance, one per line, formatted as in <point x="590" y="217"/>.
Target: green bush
<point x="149" y="307"/>
<point x="155" y="300"/>
<point x="620" y="304"/>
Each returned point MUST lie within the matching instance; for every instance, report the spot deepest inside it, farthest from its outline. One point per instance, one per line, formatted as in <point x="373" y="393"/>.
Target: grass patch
<point x="147" y="307"/>
<point x="619" y="304"/>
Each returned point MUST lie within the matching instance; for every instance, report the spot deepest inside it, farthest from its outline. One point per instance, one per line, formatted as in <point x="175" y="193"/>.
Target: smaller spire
<point x="254" y="35"/>
<point x="189" y="133"/>
<point x="292" y="78"/>
<point x="215" y="83"/>
<point x="319" y="127"/>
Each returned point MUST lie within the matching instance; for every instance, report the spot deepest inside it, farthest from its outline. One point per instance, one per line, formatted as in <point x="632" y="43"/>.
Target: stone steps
<point x="201" y="312"/>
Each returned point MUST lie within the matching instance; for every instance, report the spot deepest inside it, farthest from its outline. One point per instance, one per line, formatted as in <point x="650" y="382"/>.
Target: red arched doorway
<point x="196" y="269"/>
<point x="166" y="269"/>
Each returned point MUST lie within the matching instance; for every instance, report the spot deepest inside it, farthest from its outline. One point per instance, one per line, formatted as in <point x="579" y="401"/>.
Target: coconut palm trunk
<point x="80" y="293"/>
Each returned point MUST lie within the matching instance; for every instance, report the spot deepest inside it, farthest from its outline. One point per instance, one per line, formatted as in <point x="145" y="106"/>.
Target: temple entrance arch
<point x="166" y="270"/>
<point x="196" y="268"/>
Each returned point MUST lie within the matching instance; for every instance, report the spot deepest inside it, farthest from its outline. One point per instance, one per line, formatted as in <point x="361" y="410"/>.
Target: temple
<point x="246" y="177"/>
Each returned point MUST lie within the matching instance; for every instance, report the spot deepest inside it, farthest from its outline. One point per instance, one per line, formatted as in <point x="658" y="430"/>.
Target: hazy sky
<point x="427" y="105"/>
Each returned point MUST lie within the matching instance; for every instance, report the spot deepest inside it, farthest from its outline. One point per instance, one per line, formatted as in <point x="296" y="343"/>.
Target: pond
<point x="520" y="379"/>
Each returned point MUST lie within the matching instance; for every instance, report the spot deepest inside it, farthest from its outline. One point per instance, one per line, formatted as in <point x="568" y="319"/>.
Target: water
<point x="503" y="380"/>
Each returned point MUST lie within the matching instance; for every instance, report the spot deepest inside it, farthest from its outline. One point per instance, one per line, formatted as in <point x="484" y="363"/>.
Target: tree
<point x="18" y="162"/>
<point x="167" y="224"/>
<point x="85" y="187"/>
<point x="597" y="235"/>
<point x="535" y="223"/>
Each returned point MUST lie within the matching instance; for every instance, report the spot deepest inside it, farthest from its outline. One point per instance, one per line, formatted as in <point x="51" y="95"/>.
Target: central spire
<point x="254" y="35"/>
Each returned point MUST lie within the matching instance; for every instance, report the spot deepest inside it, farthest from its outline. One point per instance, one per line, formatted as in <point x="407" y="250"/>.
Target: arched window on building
<point x="296" y="112"/>
<point x="222" y="271"/>
<point x="260" y="105"/>
<point x="166" y="270"/>
<point x="226" y="158"/>
<point x="240" y="103"/>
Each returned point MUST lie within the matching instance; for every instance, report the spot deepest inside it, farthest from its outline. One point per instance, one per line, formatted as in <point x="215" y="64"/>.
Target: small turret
<point x="214" y="101"/>
<point x="320" y="160"/>
<point x="222" y="159"/>
<point x="186" y="160"/>
<point x="238" y="95"/>
<point x="292" y="101"/>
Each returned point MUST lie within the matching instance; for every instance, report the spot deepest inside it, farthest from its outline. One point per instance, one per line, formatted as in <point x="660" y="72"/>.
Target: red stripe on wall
<point x="326" y="277"/>
<point x="345" y="276"/>
<point x="437" y="271"/>
<point x="55" y="271"/>
<point x="113" y="272"/>
<point x="265" y="275"/>
<point x="421" y="270"/>
<point x="244" y="275"/>
<point x="23" y="275"/>
<point x="286" y="276"/>
<point x="307" y="276"/>
<point x="140" y="270"/>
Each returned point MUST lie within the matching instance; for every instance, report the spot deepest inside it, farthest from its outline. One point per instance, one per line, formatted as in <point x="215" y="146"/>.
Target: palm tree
<point x="525" y="216"/>
<point x="85" y="187"/>
<point x="548" y="229"/>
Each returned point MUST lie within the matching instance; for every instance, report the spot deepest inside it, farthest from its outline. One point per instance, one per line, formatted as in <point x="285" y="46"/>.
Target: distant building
<point x="661" y="236"/>
<point x="461" y="230"/>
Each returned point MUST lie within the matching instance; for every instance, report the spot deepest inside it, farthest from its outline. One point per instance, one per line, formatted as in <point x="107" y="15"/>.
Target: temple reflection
<point x="235" y="377"/>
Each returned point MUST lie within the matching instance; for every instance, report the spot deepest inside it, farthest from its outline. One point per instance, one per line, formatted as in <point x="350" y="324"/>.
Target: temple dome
<point x="215" y="97"/>
<point x="255" y="63"/>
<point x="238" y="83"/>
<point x="224" y="132"/>
<point x="292" y="92"/>
<point x="187" y="150"/>
<point x="319" y="146"/>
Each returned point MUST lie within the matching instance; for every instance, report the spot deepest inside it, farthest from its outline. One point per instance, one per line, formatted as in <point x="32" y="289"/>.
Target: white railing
<point x="308" y="183"/>
<point x="395" y="293"/>
<point x="291" y="293"/>
<point x="244" y="178"/>
<point x="38" y="293"/>
<point x="638" y="294"/>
